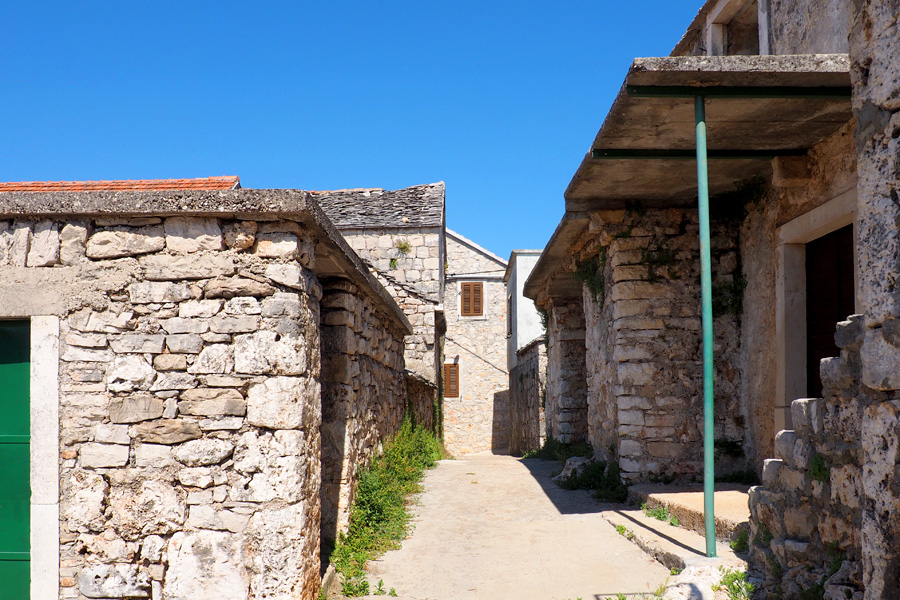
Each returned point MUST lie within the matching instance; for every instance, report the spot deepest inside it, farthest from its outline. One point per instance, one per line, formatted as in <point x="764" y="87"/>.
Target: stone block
<point x="148" y="292"/>
<point x="222" y="424"/>
<point x="267" y="352"/>
<point x="240" y="235"/>
<point x="629" y="447"/>
<point x="784" y="444"/>
<point x="206" y="565"/>
<point x="670" y="450"/>
<point x="187" y="343"/>
<point x="880" y="357"/>
<point x="243" y="305"/>
<point x="166" y="431"/>
<point x="234" y="324"/>
<point x="137" y="343"/>
<point x="200" y="477"/>
<point x="44" y="248"/>
<point x="835" y="374"/>
<point x="86" y="340"/>
<point x="236" y="286"/>
<point x="124" y="242"/>
<point x="287" y="275"/>
<point x="72" y="240"/>
<point x="632" y="373"/>
<point x="101" y="456"/>
<point x="199" y="308"/>
<point x="849" y="334"/>
<point x="218" y="358"/>
<point x="155" y="456"/>
<point x="128" y="373"/>
<point x="164" y="267"/>
<point x="212" y="402"/>
<point x="277" y="244"/>
<point x="282" y="403"/>
<point x="173" y="380"/>
<point x="113" y="581"/>
<point x="282" y="305"/>
<point x="845" y="486"/>
<point x="800" y="522"/>
<point x="177" y="325"/>
<point x="631" y="417"/>
<point x="771" y="473"/>
<point x="111" y="434"/>
<point x="135" y="408"/>
<point x="204" y="452"/>
<point x="76" y="354"/>
<point x="339" y="318"/>
<point x="806" y="416"/>
<point x="169" y="362"/>
<point x="192" y="234"/>
<point x="141" y="507"/>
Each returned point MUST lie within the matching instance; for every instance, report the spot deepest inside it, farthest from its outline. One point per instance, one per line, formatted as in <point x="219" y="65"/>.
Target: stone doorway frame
<point x="790" y="295"/>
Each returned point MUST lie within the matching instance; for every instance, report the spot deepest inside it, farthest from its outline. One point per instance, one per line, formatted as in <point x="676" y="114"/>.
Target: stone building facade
<point x="803" y="235"/>
<point x="476" y="403"/>
<point x="208" y="370"/>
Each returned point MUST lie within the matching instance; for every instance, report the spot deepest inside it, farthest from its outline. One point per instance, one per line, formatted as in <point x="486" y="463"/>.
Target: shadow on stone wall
<point x="500" y="428"/>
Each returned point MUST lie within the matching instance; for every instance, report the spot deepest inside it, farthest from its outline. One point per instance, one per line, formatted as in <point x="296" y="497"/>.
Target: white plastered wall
<point x="790" y="295"/>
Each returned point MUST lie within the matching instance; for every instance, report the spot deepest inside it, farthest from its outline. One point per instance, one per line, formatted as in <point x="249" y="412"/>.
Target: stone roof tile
<point x="412" y="207"/>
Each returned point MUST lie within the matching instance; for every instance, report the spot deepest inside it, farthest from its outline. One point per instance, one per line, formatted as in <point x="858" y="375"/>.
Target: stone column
<point x="566" y="410"/>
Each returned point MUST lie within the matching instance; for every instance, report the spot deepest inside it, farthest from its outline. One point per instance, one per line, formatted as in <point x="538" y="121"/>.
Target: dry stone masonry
<point x="197" y="350"/>
<point x="527" y="396"/>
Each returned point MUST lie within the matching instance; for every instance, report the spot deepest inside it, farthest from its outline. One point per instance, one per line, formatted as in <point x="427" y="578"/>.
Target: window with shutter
<point x="472" y="301"/>
<point x="451" y="380"/>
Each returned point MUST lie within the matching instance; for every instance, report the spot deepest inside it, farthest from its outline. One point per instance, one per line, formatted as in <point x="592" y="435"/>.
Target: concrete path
<point x="496" y="527"/>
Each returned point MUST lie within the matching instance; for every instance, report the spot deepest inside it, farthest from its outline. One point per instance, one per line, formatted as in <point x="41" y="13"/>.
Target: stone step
<point x="685" y="502"/>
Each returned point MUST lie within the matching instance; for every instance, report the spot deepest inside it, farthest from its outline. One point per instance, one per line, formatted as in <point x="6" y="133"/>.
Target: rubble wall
<point x="566" y="405"/>
<point x="364" y="394"/>
<point x="190" y="401"/>
<point x="643" y="341"/>
<point x="527" y="393"/>
<point x="809" y="26"/>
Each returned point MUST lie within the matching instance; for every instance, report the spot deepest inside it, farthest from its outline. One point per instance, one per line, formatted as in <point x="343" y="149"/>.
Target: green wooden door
<point x="15" y="431"/>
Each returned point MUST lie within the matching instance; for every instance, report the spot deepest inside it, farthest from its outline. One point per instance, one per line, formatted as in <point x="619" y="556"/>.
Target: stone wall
<point x="408" y="263"/>
<point x="478" y="419"/>
<point x="566" y="406"/>
<point x="644" y="401"/>
<point x="189" y="385"/>
<point x="527" y="393"/>
<point x="806" y="518"/>
<point x="421" y="400"/>
<point x="364" y="395"/>
<point x="809" y="26"/>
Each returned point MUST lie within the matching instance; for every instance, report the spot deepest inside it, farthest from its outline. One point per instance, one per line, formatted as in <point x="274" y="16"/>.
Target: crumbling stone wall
<point x="806" y="518"/>
<point x="643" y="342"/>
<point x="566" y="406"/>
<point x="364" y="394"/>
<point x="527" y="394"/>
<point x="190" y="401"/>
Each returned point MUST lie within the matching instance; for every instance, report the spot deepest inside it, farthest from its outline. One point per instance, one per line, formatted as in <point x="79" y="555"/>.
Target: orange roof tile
<point x="226" y="182"/>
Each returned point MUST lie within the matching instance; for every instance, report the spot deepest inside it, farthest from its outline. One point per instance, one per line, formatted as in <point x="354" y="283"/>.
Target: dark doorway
<point x="830" y="298"/>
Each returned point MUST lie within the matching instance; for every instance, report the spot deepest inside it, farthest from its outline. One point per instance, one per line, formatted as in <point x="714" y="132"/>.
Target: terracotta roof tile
<point x="226" y="182"/>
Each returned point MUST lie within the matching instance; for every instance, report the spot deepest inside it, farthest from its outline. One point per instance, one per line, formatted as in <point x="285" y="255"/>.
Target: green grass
<point x="379" y="518"/>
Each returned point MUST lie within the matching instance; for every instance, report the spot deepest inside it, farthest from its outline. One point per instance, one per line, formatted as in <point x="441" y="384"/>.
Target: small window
<point x="451" y="380"/>
<point x="472" y="299"/>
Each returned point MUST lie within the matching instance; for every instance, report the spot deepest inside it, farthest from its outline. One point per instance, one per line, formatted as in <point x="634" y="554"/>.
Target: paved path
<point x="496" y="527"/>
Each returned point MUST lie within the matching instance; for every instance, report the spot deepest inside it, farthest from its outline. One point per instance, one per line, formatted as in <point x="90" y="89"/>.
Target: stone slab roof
<point x="225" y="182"/>
<point x="412" y="207"/>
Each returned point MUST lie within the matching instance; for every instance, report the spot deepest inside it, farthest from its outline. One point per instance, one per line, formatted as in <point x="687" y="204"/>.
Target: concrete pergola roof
<point x="757" y="108"/>
<point x="780" y="105"/>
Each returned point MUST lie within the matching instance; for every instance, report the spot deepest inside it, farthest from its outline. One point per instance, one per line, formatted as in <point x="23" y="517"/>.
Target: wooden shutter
<point x="472" y="302"/>
<point x="451" y="380"/>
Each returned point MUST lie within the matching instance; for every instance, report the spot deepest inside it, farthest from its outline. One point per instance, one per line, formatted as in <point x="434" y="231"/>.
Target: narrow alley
<point x="496" y="527"/>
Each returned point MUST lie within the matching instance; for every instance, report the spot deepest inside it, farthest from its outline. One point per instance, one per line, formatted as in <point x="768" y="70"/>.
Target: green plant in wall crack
<point x="734" y="583"/>
<point x="590" y="272"/>
<point x="403" y="247"/>
<point x="818" y="469"/>
<point x="393" y="263"/>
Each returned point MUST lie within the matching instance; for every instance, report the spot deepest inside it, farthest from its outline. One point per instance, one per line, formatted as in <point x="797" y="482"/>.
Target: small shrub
<point x="835" y="558"/>
<point x="818" y="469"/>
<point x="590" y="272"/>
<point x="741" y="542"/>
<point x="675" y="571"/>
<point x="620" y="529"/>
<point x="659" y="512"/>
<point x="763" y="536"/>
<point x="393" y="263"/>
<point x="734" y="583"/>
<point x="403" y="247"/>
<point x="673" y="521"/>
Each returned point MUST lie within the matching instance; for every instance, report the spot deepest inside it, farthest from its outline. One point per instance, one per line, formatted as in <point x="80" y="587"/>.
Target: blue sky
<point x="498" y="99"/>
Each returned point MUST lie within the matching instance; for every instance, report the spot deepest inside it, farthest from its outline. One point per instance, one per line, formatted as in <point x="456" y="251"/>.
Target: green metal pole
<point x="706" y="300"/>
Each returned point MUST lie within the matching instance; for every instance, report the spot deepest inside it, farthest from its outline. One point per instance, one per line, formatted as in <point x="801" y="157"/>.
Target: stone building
<point x="476" y="397"/>
<point x="803" y="178"/>
<point x="525" y="342"/>
<point x="193" y="375"/>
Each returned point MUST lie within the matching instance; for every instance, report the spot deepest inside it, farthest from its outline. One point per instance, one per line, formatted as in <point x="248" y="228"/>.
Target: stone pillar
<point x="566" y="407"/>
<point x="876" y="105"/>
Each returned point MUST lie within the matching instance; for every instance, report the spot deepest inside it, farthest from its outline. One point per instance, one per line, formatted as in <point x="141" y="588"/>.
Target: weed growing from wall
<point x="818" y="470"/>
<point x="403" y="247"/>
<point x="378" y="518"/>
<point x="735" y="585"/>
<point x="590" y="273"/>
